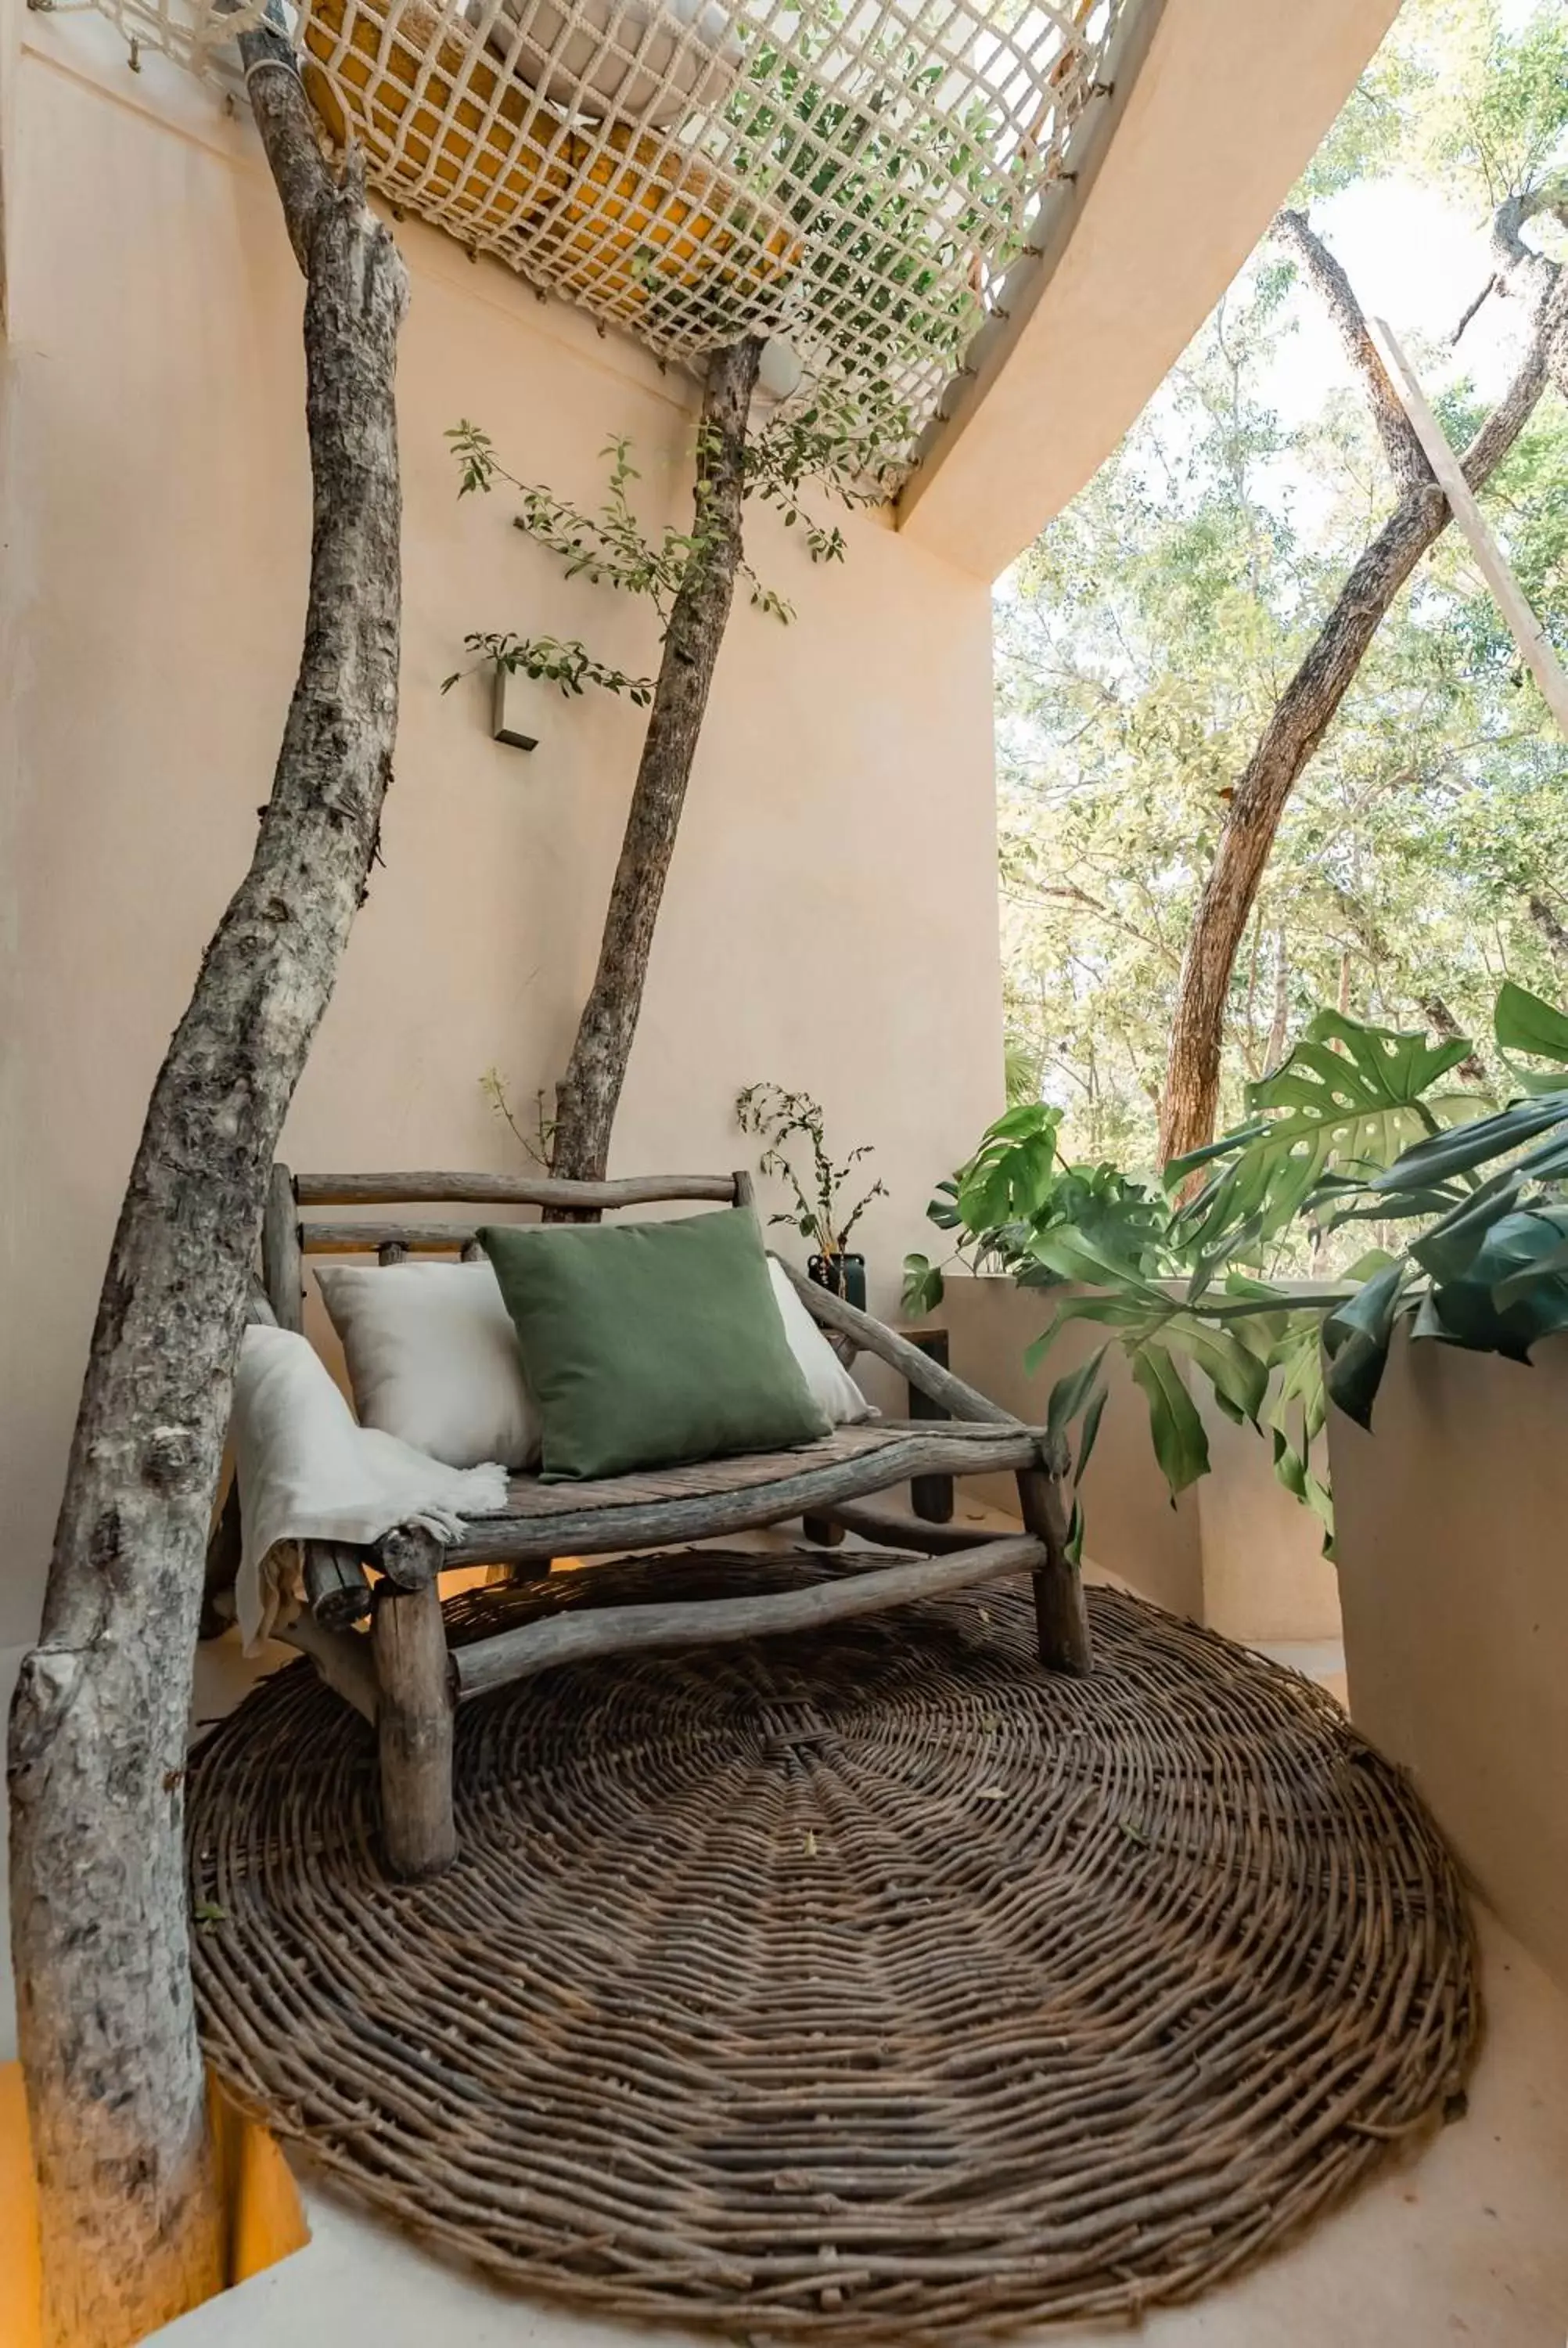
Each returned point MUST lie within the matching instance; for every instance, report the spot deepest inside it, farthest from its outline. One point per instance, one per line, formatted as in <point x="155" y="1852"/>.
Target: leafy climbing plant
<point x="829" y="441"/>
<point x="548" y="661"/>
<point x="914" y="184"/>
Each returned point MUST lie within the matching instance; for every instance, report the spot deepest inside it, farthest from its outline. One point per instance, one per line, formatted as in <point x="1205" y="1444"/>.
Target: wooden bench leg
<point x="1061" y="1619"/>
<point x="223" y="1571"/>
<point x="413" y="1730"/>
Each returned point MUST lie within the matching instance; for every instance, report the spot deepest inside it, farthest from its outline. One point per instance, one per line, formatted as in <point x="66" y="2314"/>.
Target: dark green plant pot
<point x="843" y="1274"/>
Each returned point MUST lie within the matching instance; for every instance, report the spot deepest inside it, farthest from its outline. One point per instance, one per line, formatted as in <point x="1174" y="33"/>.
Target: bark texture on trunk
<point x="1191" y="1099"/>
<point x="1442" y="1020"/>
<point x="1405" y="457"/>
<point x="1529" y="275"/>
<point x="590" y="1089"/>
<point x="131" y="2231"/>
<point x="1550" y="927"/>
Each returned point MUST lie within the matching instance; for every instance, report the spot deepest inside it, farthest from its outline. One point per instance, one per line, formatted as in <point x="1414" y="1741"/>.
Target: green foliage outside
<point x="1460" y="1210"/>
<point x="1381" y="1169"/>
<point x="1144" y="640"/>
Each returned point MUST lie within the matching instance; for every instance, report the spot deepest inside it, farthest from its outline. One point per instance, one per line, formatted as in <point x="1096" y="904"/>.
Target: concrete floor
<point x="1467" y="2242"/>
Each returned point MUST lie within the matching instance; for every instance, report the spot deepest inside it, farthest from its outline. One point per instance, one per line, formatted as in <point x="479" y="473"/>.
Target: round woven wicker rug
<point x="873" y="1984"/>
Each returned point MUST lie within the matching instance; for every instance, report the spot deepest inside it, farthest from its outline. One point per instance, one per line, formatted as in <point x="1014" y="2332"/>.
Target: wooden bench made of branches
<point x="373" y="1625"/>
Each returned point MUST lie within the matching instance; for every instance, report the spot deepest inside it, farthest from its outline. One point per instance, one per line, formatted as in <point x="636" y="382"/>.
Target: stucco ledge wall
<point x="1234" y="1551"/>
<point x="1451" y="1517"/>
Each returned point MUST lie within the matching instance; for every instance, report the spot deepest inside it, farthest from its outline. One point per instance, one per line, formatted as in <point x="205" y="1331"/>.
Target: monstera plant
<point x="1487" y="1267"/>
<point x="1358" y="1126"/>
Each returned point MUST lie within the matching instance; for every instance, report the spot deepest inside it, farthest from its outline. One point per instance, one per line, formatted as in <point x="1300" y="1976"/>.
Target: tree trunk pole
<point x="1191" y="1099"/>
<point x="131" y="2233"/>
<point x="590" y="1089"/>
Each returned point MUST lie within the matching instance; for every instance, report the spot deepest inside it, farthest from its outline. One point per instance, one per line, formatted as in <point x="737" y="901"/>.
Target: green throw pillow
<point x="645" y="1344"/>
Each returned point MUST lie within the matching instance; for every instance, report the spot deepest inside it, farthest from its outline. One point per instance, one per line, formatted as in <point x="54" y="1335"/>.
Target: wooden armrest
<point x="410" y="1557"/>
<point x="874" y="1336"/>
<point x="337" y="1584"/>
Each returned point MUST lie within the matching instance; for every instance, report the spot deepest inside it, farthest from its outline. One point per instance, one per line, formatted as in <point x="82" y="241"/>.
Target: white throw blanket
<point x="308" y="1472"/>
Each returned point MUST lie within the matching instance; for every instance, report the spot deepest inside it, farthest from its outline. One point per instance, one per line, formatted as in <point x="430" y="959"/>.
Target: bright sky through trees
<point x="1142" y="643"/>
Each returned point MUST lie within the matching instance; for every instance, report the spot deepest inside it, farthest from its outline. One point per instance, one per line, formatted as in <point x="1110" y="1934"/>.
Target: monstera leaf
<point x="1010" y="1175"/>
<point x="1355" y="1339"/>
<point x="1522" y="1022"/>
<point x="1432" y="1165"/>
<point x="924" y="1287"/>
<point x="1511" y="1290"/>
<point x="1158" y="1330"/>
<point x="1346" y="1103"/>
<point x="1351" y="1127"/>
<point x="1295" y="1414"/>
<point x="1181" y="1447"/>
<point x="1495" y="1258"/>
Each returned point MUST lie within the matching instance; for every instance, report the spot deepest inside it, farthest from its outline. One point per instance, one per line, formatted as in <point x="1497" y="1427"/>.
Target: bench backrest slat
<point x="287" y="1238"/>
<point x="429" y="1190"/>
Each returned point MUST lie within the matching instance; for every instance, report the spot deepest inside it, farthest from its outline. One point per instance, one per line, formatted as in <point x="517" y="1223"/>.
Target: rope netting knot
<point x="853" y="176"/>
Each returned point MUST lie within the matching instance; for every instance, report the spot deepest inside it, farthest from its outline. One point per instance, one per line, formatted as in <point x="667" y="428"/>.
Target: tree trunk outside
<point x="1527" y="273"/>
<point x="131" y="2233"/>
<point x="1550" y="927"/>
<point x="1442" y="1020"/>
<point x="1191" y="1099"/>
<point x="590" y="1089"/>
<point x="1279" y="1024"/>
<point x="1407" y="460"/>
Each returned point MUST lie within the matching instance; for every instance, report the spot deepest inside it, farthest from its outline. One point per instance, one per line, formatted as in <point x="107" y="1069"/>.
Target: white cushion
<point x="432" y="1359"/>
<point x="833" y="1389"/>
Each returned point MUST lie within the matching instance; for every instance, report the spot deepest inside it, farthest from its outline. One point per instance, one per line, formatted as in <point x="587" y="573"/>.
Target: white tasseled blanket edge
<point x="307" y="1471"/>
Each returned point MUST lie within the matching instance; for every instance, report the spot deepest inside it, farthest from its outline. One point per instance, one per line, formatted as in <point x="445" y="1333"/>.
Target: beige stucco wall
<point x="1235" y="1550"/>
<point x="1451" y="1517"/>
<point x="831" y="917"/>
<point x="1265" y="1577"/>
<point x="1132" y="1529"/>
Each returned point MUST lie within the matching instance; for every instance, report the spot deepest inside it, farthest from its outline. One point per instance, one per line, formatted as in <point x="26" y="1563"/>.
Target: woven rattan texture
<point x="873" y="1985"/>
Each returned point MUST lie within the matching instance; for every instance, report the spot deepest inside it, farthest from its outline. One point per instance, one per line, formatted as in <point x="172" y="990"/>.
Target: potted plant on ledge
<point x="790" y="1124"/>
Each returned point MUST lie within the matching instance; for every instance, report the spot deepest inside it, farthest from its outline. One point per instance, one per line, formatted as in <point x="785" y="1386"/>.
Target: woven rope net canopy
<point x="854" y="180"/>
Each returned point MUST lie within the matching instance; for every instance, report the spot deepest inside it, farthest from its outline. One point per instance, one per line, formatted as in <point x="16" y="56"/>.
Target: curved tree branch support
<point x="1191" y="1099"/>
<point x="131" y="2233"/>
<point x="590" y="1089"/>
